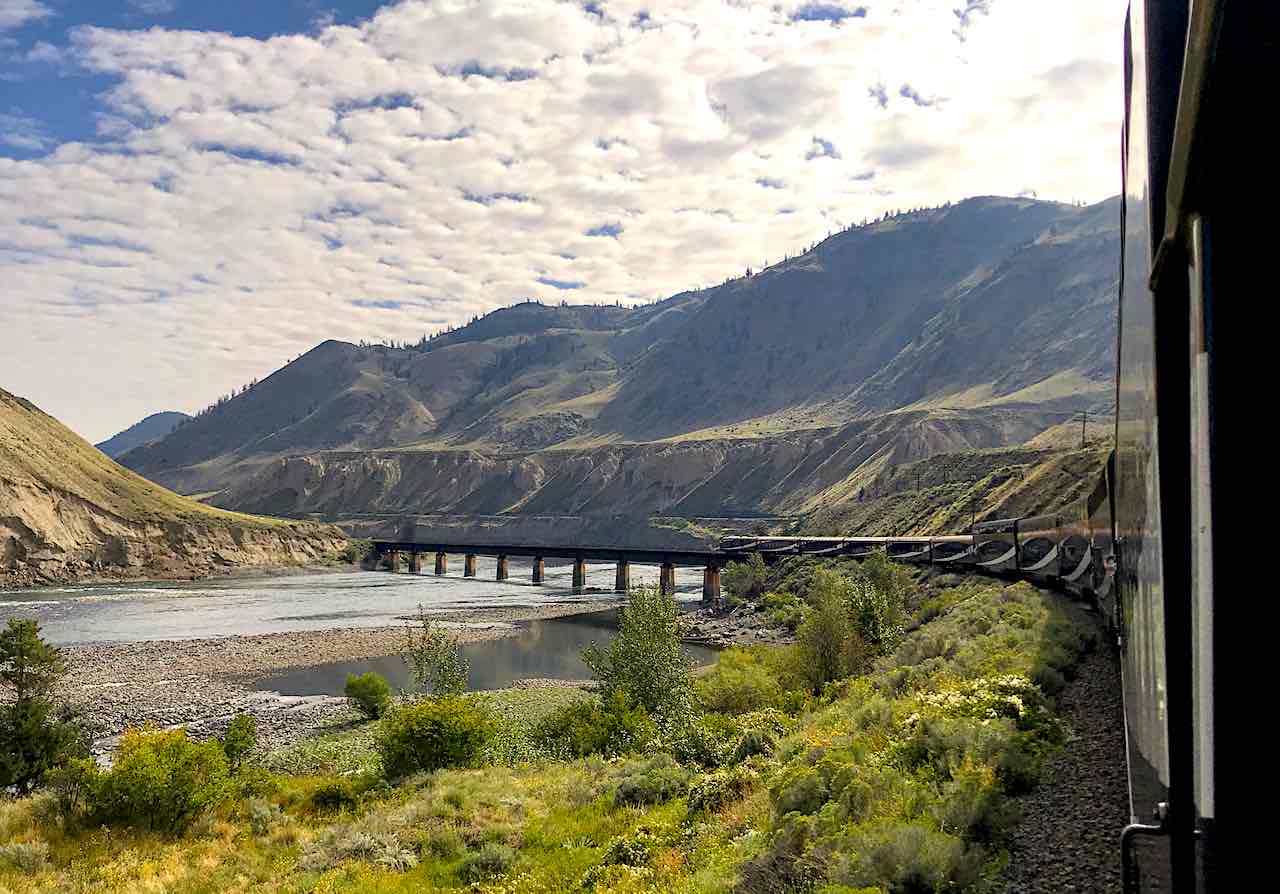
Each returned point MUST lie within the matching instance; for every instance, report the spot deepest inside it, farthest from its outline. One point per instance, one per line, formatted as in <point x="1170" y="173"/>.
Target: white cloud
<point x="154" y="7"/>
<point x="16" y="13"/>
<point x="447" y="156"/>
<point x="22" y="132"/>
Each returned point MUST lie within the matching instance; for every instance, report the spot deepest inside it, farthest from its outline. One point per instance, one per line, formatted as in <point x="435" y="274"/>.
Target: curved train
<point x="1072" y="548"/>
<point x="1149" y="543"/>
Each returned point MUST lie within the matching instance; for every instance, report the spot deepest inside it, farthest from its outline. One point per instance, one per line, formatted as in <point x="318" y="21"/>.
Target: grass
<point x="346" y="746"/>
<point x="38" y="453"/>
<point x="897" y="780"/>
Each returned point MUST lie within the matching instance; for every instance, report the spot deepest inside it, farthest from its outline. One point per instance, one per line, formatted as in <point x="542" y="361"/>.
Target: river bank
<point x="202" y="683"/>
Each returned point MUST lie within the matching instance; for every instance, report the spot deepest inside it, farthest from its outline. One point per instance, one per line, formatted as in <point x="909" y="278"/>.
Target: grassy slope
<point x="945" y="493"/>
<point x="38" y="451"/>
<point x="887" y="741"/>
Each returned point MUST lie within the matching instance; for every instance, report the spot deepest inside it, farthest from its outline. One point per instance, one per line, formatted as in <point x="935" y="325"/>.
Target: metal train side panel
<point x="1138" y="530"/>
<point x="995" y="545"/>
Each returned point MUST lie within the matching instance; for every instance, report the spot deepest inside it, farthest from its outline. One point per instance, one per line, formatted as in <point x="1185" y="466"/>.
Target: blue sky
<point x="59" y="97"/>
<point x="194" y="193"/>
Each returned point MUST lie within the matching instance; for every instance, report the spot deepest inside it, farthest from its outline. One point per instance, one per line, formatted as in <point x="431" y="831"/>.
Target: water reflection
<point x="546" y="649"/>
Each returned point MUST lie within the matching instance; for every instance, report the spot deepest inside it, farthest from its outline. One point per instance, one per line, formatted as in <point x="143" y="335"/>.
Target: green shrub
<point x="355" y="551"/>
<point x="74" y="787"/>
<point x="263" y="816"/>
<point x="785" y="609"/>
<point x="333" y="796"/>
<point x="820" y="643"/>
<point x="490" y="860"/>
<point x="714" y="790"/>
<point x="907" y="857"/>
<point x="651" y="782"/>
<point x="369" y="693"/>
<point x="433" y="734"/>
<point x="753" y="742"/>
<point x="355" y="843"/>
<point x="781" y="864"/>
<point x="255" y="782"/>
<point x="645" y="661"/>
<point x="444" y="842"/>
<point x="241" y="736"/>
<point x="612" y="727"/>
<point x="874" y="613"/>
<point x="435" y="658"/>
<point x="974" y="807"/>
<point x="746" y="581"/>
<point x="800" y="789"/>
<point x="161" y="780"/>
<point x="696" y="741"/>
<point x="635" y="849"/>
<point x="28" y="857"/>
<point x="736" y="683"/>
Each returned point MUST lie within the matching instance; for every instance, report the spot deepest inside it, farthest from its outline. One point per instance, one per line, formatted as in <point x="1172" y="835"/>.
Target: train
<point x="1148" y="544"/>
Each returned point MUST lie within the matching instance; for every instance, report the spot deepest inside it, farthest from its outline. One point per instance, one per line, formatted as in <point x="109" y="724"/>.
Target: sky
<point x="192" y="194"/>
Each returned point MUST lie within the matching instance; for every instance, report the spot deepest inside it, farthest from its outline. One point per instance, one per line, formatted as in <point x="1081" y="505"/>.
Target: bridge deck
<point x="731" y="548"/>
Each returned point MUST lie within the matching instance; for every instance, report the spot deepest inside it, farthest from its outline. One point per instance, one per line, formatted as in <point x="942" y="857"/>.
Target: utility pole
<point x="1084" y="418"/>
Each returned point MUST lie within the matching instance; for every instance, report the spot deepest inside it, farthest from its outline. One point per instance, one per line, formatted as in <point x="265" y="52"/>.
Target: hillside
<point x="976" y="325"/>
<point x="154" y="427"/>
<point x="68" y="512"/>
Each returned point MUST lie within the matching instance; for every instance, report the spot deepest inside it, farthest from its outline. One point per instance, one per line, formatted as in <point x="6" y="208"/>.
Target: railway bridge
<point x="939" y="550"/>
<point x="392" y="553"/>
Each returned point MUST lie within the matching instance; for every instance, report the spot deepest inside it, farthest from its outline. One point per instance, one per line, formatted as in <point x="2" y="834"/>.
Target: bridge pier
<point x="393" y="560"/>
<point x="469" y="565"/>
<point x="711" y="585"/>
<point x="503" y="568"/>
<point x="622" y="581"/>
<point x="667" y="579"/>
<point x="539" y="570"/>
<point x="579" y="574"/>
<point x="442" y="564"/>
<point x="414" y="565"/>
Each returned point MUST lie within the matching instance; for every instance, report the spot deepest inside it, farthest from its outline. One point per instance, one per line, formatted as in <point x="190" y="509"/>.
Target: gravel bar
<point x="202" y="683"/>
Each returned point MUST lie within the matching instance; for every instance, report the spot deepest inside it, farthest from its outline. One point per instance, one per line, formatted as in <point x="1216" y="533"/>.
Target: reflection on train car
<point x="995" y="545"/>
<point x="1100" y="572"/>
<point x="909" y="550"/>
<point x="952" y="550"/>
<point x="1037" y="541"/>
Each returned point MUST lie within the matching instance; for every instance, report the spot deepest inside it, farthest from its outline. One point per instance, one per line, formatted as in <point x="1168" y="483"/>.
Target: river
<point x="226" y="610"/>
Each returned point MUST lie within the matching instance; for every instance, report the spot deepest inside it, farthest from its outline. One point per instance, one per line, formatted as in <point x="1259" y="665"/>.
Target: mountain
<point x="971" y="326"/>
<point x="154" y="427"/>
<point x="68" y="512"/>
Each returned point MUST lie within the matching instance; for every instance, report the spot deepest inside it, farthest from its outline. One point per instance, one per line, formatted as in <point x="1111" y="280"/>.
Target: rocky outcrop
<point x="68" y="513"/>
<point x="47" y="536"/>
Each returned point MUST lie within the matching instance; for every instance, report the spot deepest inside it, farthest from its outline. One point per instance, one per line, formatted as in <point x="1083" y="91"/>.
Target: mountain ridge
<point x="152" y="428"/>
<point x="990" y="304"/>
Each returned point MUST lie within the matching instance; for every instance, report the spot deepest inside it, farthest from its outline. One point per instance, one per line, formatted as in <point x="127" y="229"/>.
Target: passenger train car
<point x="1147" y="544"/>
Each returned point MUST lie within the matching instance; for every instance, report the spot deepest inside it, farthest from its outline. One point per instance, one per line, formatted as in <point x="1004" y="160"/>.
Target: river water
<point x="545" y="649"/>
<point x="129" y="612"/>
